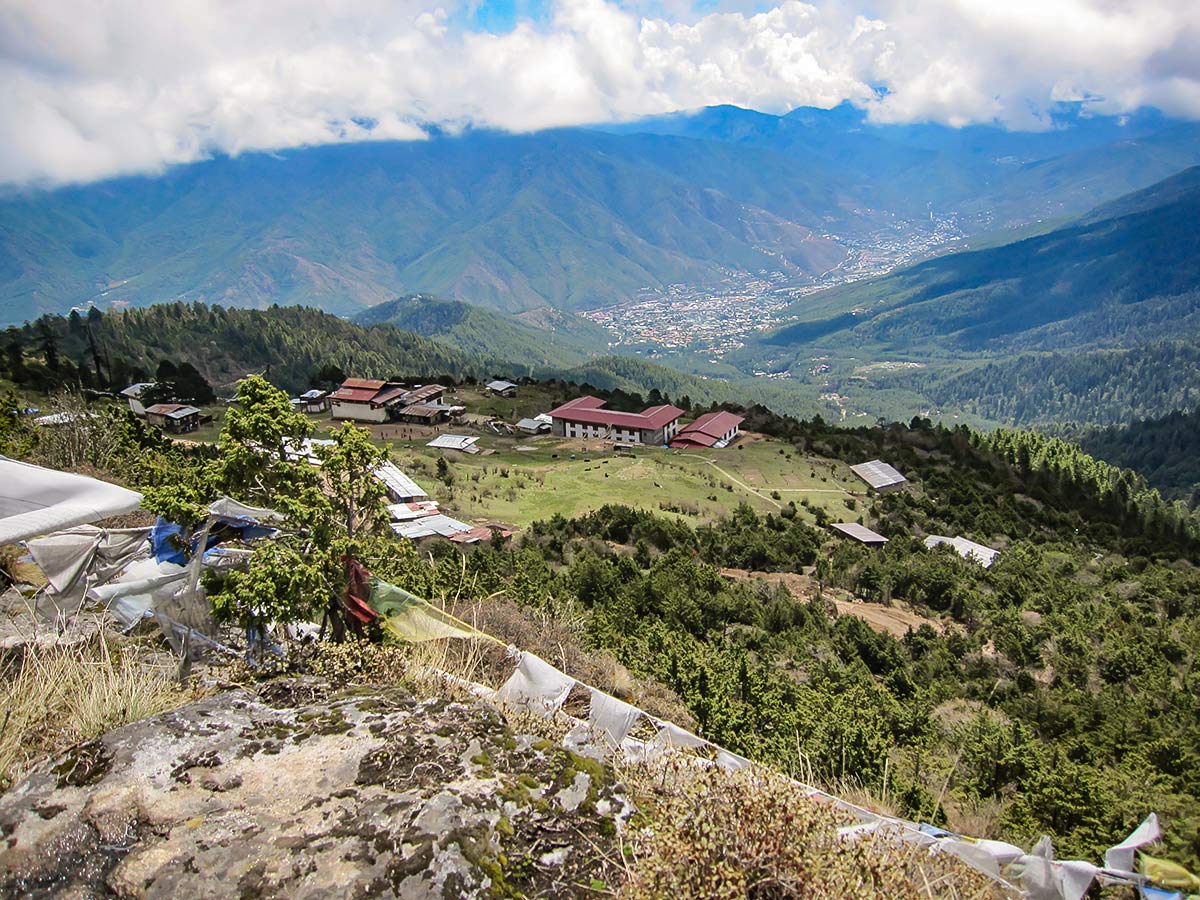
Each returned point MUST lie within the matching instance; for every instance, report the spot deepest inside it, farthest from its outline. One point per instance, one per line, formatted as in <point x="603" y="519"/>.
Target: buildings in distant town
<point x="586" y="417"/>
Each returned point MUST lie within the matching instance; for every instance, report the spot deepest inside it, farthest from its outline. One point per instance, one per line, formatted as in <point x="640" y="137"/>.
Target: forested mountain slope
<point x="295" y="347"/>
<point x="514" y="222"/>
<point x="559" y="339"/>
<point x="1088" y="387"/>
<point x="1091" y="323"/>
<point x="290" y="344"/>
<point x="1165" y="450"/>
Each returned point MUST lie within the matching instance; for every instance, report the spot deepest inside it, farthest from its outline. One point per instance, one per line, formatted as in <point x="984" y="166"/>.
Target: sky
<point x="97" y="88"/>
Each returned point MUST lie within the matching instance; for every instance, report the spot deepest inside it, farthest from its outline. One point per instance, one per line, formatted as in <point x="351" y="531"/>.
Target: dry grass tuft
<point x="559" y="640"/>
<point x="707" y="833"/>
<point x="58" y="695"/>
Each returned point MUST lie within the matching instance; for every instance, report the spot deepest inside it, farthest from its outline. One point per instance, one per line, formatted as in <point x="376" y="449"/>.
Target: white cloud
<point x="114" y="86"/>
<point x="975" y="60"/>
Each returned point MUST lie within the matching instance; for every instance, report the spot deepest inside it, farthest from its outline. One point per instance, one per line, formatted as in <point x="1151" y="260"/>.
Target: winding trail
<point x="757" y="493"/>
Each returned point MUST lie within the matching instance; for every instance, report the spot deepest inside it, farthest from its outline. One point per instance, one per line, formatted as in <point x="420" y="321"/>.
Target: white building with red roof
<point x="372" y="400"/>
<point x="715" y="429"/>
<point x="586" y="417"/>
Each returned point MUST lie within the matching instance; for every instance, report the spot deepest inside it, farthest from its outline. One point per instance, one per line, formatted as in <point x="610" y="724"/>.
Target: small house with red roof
<point x="715" y="430"/>
<point x="586" y="417"/>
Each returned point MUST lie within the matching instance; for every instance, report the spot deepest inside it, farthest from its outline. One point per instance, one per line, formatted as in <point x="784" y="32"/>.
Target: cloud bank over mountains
<point x="120" y="86"/>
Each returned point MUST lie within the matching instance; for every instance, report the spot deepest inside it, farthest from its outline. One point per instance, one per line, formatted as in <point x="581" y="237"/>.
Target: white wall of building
<point x="360" y="412"/>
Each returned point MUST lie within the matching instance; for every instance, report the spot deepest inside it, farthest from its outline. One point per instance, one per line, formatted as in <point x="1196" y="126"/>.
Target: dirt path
<point x="736" y="480"/>
<point x="814" y="491"/>
<point x="757" y="493"/>
<point x="895" y="620"/>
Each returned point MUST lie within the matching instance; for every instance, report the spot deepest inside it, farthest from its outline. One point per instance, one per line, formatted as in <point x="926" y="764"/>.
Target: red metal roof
<point x="589" y="411"/>
<point x="354" y="395"/>
<point x="372" y="383"/>
<point x="714" y="424"/>
<point x="166" y="409"/>
<point x="693" y="440"/>
<point x="580" y="403"/>
<point x="364" y="390"/>
<point x="423" y="393"/>
<point x="384" y="397"/>
<point x="477" y="534"/>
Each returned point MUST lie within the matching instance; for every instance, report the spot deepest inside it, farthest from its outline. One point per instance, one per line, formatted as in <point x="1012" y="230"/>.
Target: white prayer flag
<point x="536" y="685"/>
<point x="1120" y="857"/>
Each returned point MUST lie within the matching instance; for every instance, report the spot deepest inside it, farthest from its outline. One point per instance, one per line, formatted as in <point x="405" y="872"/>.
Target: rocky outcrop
<point x="296" y="791"/>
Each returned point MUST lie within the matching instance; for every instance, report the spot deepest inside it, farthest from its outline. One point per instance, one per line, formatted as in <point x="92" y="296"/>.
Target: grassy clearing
<point x="525" y="479"/>
<point x="59" y="695"/>
<point x="531" y="400"/>
<point x="520" y="486"/>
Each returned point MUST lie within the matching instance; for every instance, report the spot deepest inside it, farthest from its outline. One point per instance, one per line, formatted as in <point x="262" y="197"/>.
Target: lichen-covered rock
<point x="292" y="791"/>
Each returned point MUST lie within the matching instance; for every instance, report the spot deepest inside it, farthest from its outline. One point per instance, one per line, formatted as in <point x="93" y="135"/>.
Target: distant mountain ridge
<point x="564" y="219"/>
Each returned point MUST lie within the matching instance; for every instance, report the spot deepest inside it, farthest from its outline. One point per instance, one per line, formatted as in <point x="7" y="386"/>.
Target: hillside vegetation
<point x="559" y="339"/>
<point x="291" y="344"/>
<point x="1165" y="450"/>
<point x="297" y="348"/>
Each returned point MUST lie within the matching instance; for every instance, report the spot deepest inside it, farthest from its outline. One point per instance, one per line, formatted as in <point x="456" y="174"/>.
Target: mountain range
<point x="1094" y="321"/>
<point x="1127" y="268"/>
<point x="565" y="219"/>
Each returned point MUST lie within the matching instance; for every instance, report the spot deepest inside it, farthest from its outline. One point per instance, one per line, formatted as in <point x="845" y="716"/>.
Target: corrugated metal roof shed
<point x="373" y="384"/>
<point x="423" y="410"/>
<point x="480" y="533"/>
<point x="391" y="395"/>
<point x="428" y="526"/>
<point x="878" y="474"/>
<point x="859" y="532"/>
<point x="454" y="442"/>
<point x="354" y="395"/>
<point x="172" y="410"/>
<point x="307" y="450"/>
<point x="423" y="393"/>
<point x="398" y="484"/>
<point x="985" y="556"/>
<point x="406" y="512"/>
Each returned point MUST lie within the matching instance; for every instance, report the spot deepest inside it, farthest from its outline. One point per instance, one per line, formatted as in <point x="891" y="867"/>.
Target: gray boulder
<point x="296" y="791"/>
